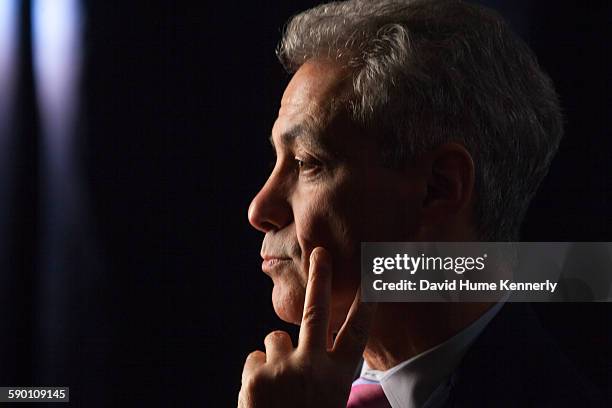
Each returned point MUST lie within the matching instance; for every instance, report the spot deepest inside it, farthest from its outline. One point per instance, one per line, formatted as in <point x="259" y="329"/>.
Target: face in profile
<point x="327" y="189"/>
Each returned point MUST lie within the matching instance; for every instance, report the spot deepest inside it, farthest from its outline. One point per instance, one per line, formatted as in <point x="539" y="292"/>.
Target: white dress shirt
<point x="420" y="381"/>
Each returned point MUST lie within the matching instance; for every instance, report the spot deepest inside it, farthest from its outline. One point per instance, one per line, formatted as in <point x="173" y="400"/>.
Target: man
<point x="404" y="121"/>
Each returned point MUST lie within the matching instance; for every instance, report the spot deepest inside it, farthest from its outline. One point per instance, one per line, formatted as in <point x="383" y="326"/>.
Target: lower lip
<point x="272" y="263"/>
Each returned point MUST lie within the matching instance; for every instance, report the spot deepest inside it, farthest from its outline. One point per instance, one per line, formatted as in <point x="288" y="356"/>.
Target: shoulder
<point x="514" y="362"/>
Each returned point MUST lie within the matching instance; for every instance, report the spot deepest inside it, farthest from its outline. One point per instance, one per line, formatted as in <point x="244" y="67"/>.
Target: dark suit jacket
<point x="514" y="363"/>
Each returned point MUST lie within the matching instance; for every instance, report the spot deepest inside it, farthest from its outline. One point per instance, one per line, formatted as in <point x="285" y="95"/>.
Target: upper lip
<point x="266" y="257"/>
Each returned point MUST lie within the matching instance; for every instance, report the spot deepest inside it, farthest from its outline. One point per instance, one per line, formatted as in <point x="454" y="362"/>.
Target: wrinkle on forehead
<point x="316" y="91"/>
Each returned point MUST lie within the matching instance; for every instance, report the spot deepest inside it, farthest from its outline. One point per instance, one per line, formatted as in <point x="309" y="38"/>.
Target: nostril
<point x="269" y="210"/>
<point x="267" y="226"/>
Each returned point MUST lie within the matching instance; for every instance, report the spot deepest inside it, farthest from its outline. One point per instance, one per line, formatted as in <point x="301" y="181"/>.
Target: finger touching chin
<point x="288" y="301"/>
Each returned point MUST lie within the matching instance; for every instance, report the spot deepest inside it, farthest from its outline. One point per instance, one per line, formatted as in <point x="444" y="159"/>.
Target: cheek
<point x="326" y="218"/>
<point x="333" y="221"/>
<point x="387" y="216"/>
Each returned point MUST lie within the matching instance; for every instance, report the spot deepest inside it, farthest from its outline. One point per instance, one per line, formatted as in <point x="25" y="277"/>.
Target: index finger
<point x="315" y="319"/>
<point x="354" y="333"/>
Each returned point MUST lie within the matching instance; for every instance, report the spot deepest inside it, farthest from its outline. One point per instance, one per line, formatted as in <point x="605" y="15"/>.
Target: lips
<point x="271" y="263"/>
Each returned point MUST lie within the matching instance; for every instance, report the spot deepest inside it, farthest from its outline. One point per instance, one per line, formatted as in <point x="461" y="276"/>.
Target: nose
<point x="270" y="209"/>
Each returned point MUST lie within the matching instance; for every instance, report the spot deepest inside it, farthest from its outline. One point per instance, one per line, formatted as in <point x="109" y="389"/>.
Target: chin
<point x="288" y="303"/>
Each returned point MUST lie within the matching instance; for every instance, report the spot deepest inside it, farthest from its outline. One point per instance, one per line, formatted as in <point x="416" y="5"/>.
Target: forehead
<point x="313" y="95"/>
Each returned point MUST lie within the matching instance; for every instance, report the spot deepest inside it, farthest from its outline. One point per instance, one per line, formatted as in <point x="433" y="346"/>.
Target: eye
<point x="306" y="165"/>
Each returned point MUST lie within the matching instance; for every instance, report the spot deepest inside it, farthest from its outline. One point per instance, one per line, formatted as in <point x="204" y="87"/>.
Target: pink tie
<point x="367" y="394"/>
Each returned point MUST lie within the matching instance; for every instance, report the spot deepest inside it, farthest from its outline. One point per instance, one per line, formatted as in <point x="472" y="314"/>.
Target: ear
<point x="449" y="178"/>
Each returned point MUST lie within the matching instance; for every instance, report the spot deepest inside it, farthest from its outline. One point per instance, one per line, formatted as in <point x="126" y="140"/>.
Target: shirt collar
<point x="410" y="383"/>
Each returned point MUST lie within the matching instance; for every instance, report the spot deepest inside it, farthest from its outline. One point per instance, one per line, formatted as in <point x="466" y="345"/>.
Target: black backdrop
<point x="164" y="294"/>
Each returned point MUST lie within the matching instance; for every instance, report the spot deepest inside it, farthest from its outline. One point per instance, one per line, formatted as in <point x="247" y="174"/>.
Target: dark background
<point x="160" y="286"/>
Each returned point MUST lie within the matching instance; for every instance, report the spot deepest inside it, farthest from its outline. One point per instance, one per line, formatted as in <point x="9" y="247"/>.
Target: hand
<point x="310" y="375"/>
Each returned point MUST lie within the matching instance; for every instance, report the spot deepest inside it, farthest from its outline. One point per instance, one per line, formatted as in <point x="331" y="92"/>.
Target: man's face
<point x="327" y="189"/>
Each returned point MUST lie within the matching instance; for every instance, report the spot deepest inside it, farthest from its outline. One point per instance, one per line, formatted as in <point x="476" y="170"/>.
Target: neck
<point x="403" y="330"/>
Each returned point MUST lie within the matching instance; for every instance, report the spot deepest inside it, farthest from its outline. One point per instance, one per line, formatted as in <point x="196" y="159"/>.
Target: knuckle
<point x="314" y="314"/>
<point x="260" y="386"/>
<point x="306" y="370"/>
<point x="281" y="373"/>
<point x="254" y="384"/>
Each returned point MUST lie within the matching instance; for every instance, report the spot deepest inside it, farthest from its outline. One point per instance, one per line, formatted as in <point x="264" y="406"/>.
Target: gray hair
<point x="430" y="72"/>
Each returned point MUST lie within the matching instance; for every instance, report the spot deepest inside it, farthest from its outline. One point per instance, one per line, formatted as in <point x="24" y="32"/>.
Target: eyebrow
<point x="303" y="131"/>
<point x="288" y="137"/>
